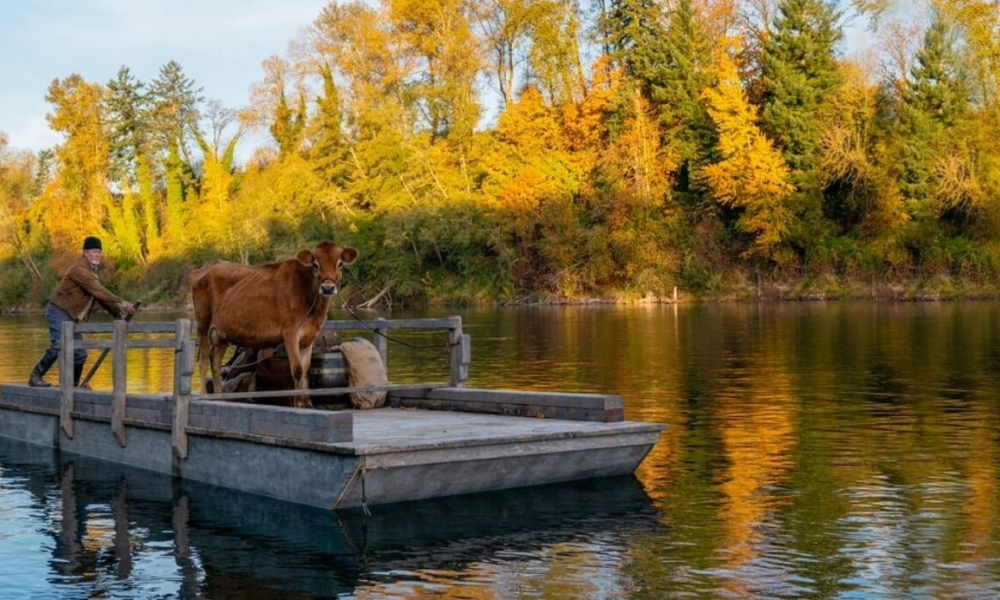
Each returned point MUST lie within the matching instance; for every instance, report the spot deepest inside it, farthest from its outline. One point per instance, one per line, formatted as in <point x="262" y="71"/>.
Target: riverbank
<point x="825" y="287"/>
<point x="725" y="288"/>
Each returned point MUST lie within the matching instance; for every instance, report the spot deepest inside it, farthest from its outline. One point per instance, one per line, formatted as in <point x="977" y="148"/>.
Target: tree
<point x="979" y="21"/>
<point x="357" y="42"/>
<point x="16" y="186"/>
<point x="127" y="112"/>
<point x="934" y="105"/>
<point x="677" y="90"/>
<point x="860" y="174"/>
<point x="751" y="174"/>
<point x="554" y="56"/>
<point x="531" y="179"/>
<point x="174" y="115"/>
<point x="632" y="33"/>
<point x="77" y="201"/>
<point x="174" y="100"/>
<point x="799" y="75"/>
<point x="328" y="150"/>
<point x="532" y="42"/>
<point x="279" y="103"/>
<point x="639" y="164"/>
<point x="505" y="27"/>
<point x="437" y="34"/>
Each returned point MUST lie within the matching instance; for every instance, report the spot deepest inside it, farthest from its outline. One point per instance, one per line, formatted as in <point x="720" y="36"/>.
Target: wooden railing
<point x="129" y="335"/>
<point x="118" y="346"/>
<point x="459" y="344"/>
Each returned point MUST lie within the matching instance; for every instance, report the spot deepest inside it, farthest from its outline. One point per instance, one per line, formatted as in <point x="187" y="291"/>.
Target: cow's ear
<point x="305" y="257"/>
<point x="348" y="255"/>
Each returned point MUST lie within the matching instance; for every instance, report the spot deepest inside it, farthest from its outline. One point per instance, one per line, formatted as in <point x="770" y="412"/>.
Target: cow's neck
<point x="318" y="303"/>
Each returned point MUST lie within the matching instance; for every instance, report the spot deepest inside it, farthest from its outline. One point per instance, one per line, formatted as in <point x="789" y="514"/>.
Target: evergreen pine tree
<point x="126" y="110"/>
<point x="678" y="86"/>
<point x="328" y="152"/>
<point x="933" y="104"/>
<point x="799" y="74"/>
<point x="634" y="35"/>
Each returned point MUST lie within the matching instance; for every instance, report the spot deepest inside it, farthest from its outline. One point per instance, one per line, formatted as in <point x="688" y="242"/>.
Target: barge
<point x="429" y="440"/>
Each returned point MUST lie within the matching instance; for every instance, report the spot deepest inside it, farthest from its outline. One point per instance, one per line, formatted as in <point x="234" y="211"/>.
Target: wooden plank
<point x="381" y="343"/>
<point x="275" y="423"/>
<point x="461" y="357"/>
<point x="135" y="343"/>
<point x="158" y="343"/>
<point x="438" y="323"/>
<point x="187" y="353"/>
<point x="178" y="428"/>
<point x="397" y="429"/>
<point x="119" y="381"/>
<point x="516" y="403"/>
<point x="94" y="327"/>
<point x="166" y="327"/>
<point x="66" y="378"/>
<point x="321" y="391"/>
<point x="455" y="355"/>
<point x="530" y="398"/>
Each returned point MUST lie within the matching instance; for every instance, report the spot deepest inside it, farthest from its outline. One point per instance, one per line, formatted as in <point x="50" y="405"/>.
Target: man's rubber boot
<point x="35" y="380"/>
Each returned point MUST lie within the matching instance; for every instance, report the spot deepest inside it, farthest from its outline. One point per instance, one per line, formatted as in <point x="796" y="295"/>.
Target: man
<point x="72" y="300"/>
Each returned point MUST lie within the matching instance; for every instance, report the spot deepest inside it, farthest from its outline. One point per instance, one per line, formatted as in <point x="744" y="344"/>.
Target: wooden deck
<point x="410" y="454"/>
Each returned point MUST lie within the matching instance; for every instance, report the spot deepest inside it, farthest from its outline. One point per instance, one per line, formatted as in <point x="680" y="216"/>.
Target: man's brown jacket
<point x="78" y="289"/>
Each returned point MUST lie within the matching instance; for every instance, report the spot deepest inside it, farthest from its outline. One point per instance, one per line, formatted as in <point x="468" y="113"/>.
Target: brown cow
<point x="262" y="306"/>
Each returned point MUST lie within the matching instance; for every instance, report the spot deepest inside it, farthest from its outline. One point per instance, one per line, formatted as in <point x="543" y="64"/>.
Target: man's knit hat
<point x="91" y="243"/>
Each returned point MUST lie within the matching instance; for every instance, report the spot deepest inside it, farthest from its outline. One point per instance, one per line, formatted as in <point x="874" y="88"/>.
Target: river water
<point x="836" y="450"/>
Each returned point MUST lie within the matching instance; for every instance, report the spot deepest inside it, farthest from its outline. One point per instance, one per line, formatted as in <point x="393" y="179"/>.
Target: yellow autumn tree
<point x="16" y="183"/>
<point x="640" y="162"/>
<point x="750" y="175"/>
<point x="531" y="164"/>
<point x="584" y="122"/>
<point x="76" y="202"/>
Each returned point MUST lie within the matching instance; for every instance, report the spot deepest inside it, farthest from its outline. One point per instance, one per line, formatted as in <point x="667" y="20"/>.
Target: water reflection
<point x="113" y="530"/>
<point x="816" y="449"/>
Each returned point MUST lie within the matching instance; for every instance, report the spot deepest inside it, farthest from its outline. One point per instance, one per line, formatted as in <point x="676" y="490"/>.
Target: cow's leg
<point x="299" y="374"/>
<point x="305" y="358"/>
<point x="217" y="353"/>
<point x="204" y="355"/>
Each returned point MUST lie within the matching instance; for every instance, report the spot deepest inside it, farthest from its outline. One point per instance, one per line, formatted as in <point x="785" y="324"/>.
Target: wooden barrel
<point x="327" y="370"/>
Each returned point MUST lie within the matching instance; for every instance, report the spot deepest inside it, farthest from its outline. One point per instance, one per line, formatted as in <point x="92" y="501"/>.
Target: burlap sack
<point x="364" y="367"/>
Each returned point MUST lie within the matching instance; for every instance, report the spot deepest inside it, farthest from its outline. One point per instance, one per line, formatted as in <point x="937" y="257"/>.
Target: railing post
<point x="460" y="346"/>
<point x="119" y="349"/>
<point x="381" y="343"/>
<point x="66" y="377"/>
<point x="183" y="369"/>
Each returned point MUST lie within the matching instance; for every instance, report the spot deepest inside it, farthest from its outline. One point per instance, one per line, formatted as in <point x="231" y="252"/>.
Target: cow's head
<point x="326" y="262"/>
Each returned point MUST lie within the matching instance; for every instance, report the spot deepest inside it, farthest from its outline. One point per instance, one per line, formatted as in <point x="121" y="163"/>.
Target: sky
<point x="220" y="45"/>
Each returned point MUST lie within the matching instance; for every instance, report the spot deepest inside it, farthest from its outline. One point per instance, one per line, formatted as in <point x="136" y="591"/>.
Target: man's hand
<point x="130" y="308"/>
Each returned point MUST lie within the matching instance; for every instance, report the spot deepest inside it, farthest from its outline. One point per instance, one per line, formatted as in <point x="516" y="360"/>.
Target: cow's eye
<point x="340" y="263"/>
<point x="316" y="265"/>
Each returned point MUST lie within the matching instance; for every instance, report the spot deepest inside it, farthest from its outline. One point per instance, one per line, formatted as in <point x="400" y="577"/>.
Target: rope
<point x="364" y="494"/>
<point x="350" y="309"/>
